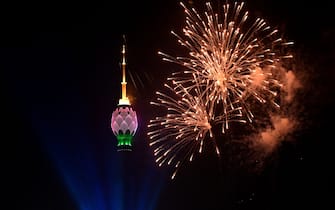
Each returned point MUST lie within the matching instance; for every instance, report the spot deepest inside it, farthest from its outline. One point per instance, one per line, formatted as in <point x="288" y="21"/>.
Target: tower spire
<point x="124" y="99"/>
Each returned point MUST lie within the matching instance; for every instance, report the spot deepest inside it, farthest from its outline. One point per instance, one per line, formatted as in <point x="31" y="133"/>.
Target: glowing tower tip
<point x="124" y="99"/>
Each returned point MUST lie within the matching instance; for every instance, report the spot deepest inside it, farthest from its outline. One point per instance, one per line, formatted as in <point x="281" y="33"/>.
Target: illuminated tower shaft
<point x="124" y="99"/>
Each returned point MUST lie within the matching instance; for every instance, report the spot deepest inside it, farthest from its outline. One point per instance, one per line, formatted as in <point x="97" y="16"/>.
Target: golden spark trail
<point x="231" y="65"/>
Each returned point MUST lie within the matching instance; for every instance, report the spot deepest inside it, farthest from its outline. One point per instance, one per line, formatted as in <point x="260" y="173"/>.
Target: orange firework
<point x="231" y="64"/>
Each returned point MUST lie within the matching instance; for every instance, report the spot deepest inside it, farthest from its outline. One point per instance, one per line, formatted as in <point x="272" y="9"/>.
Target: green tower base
<point x="125" y="142"/>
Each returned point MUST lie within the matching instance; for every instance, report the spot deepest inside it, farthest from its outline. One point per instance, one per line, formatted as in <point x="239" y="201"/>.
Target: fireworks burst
<point x="233" y="60"/>
<point x="182" y="131"/>
<point x="232" y="63"/>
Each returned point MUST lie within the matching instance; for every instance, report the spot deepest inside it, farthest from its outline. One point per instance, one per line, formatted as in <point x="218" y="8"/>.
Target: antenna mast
<point x="124" y="99"/>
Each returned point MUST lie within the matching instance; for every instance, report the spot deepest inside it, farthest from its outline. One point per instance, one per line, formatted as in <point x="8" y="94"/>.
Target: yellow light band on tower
<point x="124" y="99"/>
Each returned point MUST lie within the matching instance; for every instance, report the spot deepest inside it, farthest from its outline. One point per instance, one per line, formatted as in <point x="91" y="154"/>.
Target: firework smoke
<point x="284" y="121"/>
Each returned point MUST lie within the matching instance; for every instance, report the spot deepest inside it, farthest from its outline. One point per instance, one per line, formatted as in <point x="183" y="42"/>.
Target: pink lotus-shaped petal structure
<point x="124" y="121"/>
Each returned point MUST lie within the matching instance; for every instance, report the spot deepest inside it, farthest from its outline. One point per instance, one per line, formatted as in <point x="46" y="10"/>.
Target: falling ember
<point x="229" y="71"/>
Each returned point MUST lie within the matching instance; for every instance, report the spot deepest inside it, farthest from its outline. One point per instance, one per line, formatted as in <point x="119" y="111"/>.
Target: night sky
<point x="60" y="71"/>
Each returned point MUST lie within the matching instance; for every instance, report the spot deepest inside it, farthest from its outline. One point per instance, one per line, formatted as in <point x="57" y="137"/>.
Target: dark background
<point x="60" y="79"/>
